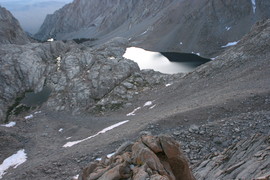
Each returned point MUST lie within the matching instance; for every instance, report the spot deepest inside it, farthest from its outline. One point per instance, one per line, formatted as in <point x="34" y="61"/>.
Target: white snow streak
<point x="10" y="124"/>
<point x="227" y="28"/>
<point x="230" y="44"/>
<point x="133" y="112"/>
<point x="167" y="85"/>
<point x="253" y="5"/>
<point x="29" y="117"/>
<point x="50" y="40"/>
<point x="75" y="177"/>
<point x="38" y="112"/>
<point x="152" y="106"/>
<point x="61" y="129"/>
<point x="148" y="103"/>
<point x="110" y="155"/>
<point x="69" y="144"/>
<point x="13" y="161"/>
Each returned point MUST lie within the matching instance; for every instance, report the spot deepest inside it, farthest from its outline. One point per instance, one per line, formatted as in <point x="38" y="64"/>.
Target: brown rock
<point x="158" y="177"/>
<point x="154" y="158"/>
<point x="176" y="158"/>
<point x="152" y="142"/>
<point x="143" y="155"/>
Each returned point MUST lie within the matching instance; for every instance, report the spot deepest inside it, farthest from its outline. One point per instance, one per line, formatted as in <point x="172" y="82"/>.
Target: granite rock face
<point x="248" y="159"/>
<point x="10" y="29"/>
<point x="151" y="157"/>
<point x="79" y="78"/>
<point x="25" y="68"/>
<point x="198" y="26"/>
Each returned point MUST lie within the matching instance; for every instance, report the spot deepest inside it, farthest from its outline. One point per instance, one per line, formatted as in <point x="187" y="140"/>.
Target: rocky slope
<point x="223" y="127"/>
<point x="217" y="22"/>
<point x="10" y="29"/>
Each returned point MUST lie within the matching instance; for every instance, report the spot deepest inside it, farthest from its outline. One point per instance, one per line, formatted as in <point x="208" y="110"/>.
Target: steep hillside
<point x="199" y="26"/>
<point x="10" y="29"/>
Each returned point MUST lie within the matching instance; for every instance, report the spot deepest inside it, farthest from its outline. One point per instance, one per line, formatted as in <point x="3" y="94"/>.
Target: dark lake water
<point x="36" y="99"/>
<point x="165" y="62"/>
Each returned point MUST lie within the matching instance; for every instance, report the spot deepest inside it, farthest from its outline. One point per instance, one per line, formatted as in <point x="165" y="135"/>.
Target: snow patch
<point x="167" y="85"/>
<point x="61" y="129"/>
<point x="148" y="103"/>
<point x="50" y="40"/>
<point x="98" y="159"/>
<point x="230" y="44"/>
<point x="253" y="2"/>
<point x="152" y="106"/>
<point x="228" y="28"/>
<point x="69" y="144"/>
<point x="68" y="138"/>
<point x="38" y="112"/>
<point x="181" y="43"/>
<point x="133" y="112"/>
<point x="144" y="32"/>
<point x="10" y="124"/>
<point x="29" y="116"/>
<point x="75" y="177"/>
<point x="110" y="155"/>
<point x="13" y="161"/>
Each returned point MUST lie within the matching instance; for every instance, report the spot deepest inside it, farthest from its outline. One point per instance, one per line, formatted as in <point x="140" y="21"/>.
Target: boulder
<point x="151" y="157"/>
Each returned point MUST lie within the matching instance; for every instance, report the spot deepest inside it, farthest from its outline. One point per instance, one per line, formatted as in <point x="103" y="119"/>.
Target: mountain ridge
<point x="10" y="29"/>
<point x="158" y="25"/>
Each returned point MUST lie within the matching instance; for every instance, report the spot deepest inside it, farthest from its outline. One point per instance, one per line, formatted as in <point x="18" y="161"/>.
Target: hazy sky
<point x="31" y="13"/>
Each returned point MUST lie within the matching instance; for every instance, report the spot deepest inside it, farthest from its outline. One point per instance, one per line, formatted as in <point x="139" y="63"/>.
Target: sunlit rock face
<point x="198" y="26"/>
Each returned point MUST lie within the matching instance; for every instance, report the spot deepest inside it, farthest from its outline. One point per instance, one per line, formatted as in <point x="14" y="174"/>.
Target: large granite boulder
<point x="151" y="157"/>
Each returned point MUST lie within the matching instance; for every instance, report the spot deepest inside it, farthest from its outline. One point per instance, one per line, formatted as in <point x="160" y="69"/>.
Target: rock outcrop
<point x="151" y="157"/>
<point x="79" y="78"/>
<point x="248" y="159"/>
<point x="10" y="29"/>
<point x="198" y="26"/>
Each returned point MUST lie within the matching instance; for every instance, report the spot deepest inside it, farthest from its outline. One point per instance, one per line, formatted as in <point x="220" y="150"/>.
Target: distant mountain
<point x="10" y="29"/>
<point x="31" y="13"/>
<point x="199" y="26"/>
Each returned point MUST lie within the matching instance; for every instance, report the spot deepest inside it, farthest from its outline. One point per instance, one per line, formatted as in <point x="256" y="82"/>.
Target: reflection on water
<point x="155" y="60"/>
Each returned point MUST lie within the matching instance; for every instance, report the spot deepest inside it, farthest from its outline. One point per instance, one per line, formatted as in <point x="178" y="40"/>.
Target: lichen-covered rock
<point x="155" y="158"/>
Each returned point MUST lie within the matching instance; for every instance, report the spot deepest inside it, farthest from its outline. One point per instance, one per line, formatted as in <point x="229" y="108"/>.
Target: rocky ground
<point x="217" y="105"/>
